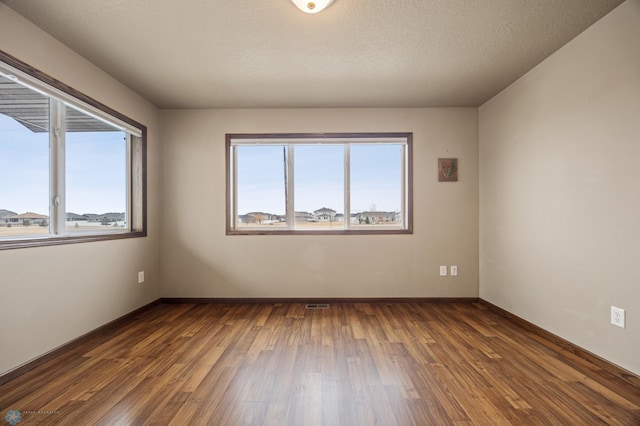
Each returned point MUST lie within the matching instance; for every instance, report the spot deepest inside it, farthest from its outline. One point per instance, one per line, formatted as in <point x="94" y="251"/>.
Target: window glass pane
<point x="319" y="187"/>
<point x="261" y="186"/>
<point x="96" y="174"/>
<point x="24" y="161"/>
<point x="376" y="184"/>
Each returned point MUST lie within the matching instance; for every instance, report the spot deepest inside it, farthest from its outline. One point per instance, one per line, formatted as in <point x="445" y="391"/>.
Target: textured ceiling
<point x="356" y="53"/>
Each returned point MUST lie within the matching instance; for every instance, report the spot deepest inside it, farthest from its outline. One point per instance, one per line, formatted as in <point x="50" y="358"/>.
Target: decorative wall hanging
<point x="447" y="169"/>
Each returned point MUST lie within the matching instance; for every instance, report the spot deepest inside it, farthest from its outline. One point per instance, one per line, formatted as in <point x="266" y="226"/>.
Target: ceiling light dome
<point x="312" y="6"/>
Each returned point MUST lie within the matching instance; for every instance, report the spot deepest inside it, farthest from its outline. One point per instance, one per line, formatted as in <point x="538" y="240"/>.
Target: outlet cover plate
<point x="443" y="271"/>
<point x="454" y="270"/>
<point x="617" y="317"/>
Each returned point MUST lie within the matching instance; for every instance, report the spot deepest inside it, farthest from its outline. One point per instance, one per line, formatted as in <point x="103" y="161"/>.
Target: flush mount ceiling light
<point x="312" y="6"/>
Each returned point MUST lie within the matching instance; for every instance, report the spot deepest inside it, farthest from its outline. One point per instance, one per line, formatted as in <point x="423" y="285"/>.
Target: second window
<point x="329" y="183"/>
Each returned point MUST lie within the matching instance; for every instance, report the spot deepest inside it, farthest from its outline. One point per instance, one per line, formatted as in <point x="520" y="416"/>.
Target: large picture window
<point x="327" y="183"/>
<point x="71" y="169"/>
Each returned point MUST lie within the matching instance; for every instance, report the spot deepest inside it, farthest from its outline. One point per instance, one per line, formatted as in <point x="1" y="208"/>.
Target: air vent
<point x="316" y="306"/>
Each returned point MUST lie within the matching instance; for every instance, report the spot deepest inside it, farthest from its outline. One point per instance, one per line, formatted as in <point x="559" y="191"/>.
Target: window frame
<point x="330" y="138"/>
<point x="136" y="132"/>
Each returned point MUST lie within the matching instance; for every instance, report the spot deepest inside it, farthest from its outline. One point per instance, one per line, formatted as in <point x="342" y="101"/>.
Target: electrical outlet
<point x="140" y="277"/>
<point x="617" y="317"/>
<point x="443" y="271"/>
<point x="454" y="270"/>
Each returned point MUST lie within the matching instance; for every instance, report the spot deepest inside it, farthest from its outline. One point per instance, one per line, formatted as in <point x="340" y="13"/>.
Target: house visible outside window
<point x="329" y="183"/>
<point x="72" y="170"/>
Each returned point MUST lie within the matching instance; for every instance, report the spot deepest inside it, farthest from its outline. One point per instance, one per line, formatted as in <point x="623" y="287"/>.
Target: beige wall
<point x="52" y="295"/>
<point x="559" y="191"/>
<point x="558" y="206"/>
<point x="199" y="260"/>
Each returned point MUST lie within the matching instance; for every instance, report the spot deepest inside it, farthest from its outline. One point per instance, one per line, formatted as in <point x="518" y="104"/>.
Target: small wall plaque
<point x="447" y="169"/>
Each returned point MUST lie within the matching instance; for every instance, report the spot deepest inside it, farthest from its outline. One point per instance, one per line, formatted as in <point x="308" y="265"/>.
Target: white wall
<point x="51" y="295"/>
<point x="199" y="260"/>
<point x="559" y="191"/>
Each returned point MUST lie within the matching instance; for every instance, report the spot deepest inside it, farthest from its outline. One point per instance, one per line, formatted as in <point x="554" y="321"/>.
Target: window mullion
<point x="403" y="184"/>
<point x="129" y="182"/>
<point x="234" y="195"/>
<point x="291" y="214"/>
<point x="347" y="186"/>
<point x="57" y="167"/>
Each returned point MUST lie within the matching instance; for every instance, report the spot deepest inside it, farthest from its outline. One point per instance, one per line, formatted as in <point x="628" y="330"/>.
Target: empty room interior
<point x="335" y="212"/>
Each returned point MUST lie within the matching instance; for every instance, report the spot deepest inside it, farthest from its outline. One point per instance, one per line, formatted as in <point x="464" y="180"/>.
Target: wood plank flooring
<point x="351" y="364"/>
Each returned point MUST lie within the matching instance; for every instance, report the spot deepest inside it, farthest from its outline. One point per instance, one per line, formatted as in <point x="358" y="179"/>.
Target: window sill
<point x="74" y="239"/>
<point x="386" y="231"/>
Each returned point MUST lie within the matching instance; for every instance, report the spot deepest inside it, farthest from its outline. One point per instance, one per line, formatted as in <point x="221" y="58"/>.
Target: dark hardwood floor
<point x="351" y="364"/>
